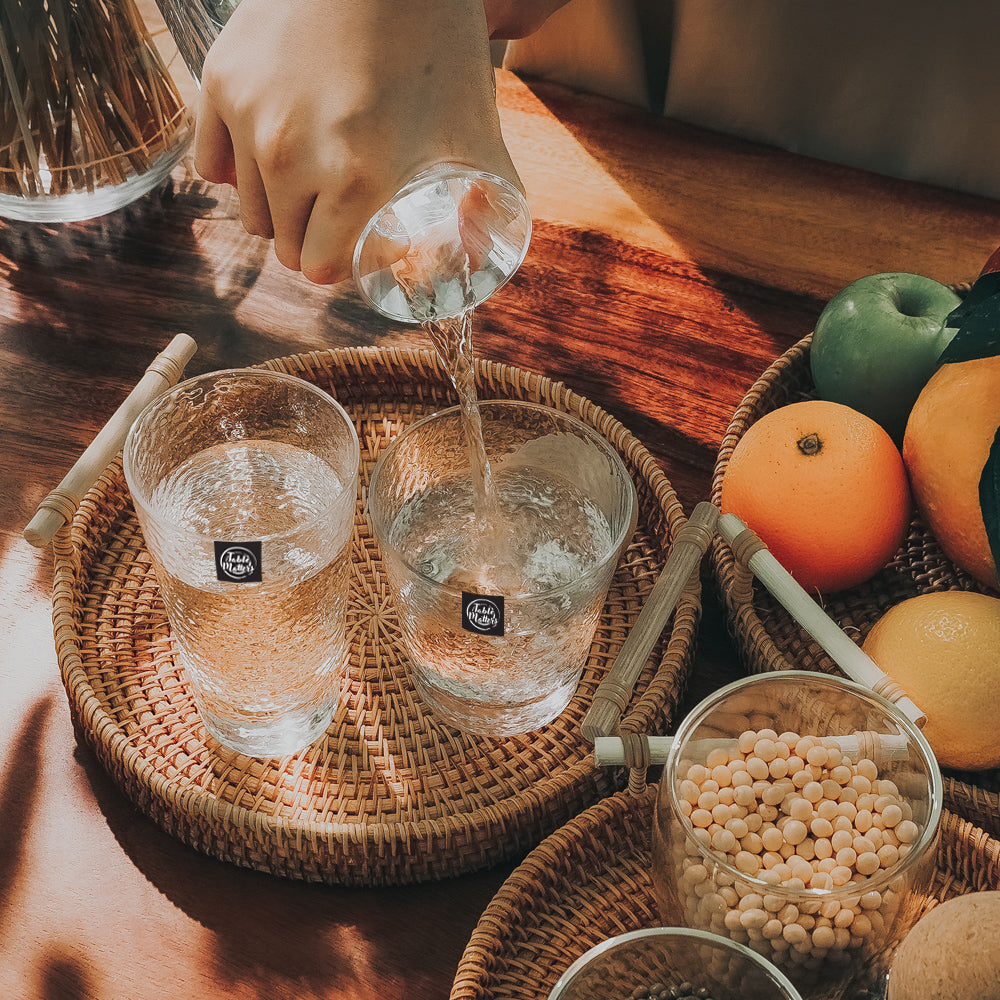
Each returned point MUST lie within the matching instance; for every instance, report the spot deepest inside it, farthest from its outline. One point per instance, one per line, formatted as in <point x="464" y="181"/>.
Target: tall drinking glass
<point x="499" y="590"/>
<point x="245" y="485"/>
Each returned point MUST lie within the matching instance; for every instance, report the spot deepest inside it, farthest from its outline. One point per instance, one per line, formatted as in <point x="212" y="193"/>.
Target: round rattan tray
<point x="768" y="638"/>
<point x="591" y="880"/>
<point x="388" y="795"/>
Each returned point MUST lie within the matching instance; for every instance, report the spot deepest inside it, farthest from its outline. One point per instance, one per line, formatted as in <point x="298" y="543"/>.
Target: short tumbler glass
<point x="798" y="814"/>
<point x="498" y="597"/>
<point x="245" y="486"/>
<point x="661" y="963"/>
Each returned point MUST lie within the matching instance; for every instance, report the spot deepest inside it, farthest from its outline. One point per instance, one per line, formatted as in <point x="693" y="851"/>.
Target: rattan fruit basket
<point x="389" y="795"/>
<point x="591" y="880"/>
<point x="768" y="638"/>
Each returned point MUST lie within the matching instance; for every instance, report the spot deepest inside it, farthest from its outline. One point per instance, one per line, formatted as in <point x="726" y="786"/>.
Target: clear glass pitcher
<point x="448" y="239"/>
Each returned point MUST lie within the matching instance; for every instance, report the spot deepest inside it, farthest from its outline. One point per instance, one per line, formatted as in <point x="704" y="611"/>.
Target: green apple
<point x="877" y="342"/>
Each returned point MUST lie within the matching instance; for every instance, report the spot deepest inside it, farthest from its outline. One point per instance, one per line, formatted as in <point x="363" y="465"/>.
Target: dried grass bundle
<point x="194" y="25"/>
<point x="85" y="98"/>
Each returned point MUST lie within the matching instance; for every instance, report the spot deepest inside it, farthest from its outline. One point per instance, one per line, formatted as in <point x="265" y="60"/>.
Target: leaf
<point x="989" y="498"/>
<point x="984" y="287"/>
<point x="978" y="322"/>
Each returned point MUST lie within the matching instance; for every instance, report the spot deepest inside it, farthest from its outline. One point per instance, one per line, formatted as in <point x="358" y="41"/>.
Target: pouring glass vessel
<point x="443" y="244"/>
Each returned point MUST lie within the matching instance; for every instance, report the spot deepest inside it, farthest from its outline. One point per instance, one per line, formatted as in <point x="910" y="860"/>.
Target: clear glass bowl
<point x="817" y="854"/>
<point x="655" y="961"/>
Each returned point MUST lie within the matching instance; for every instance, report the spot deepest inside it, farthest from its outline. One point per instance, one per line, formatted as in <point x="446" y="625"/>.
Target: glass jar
<point x="798" y="814"/>
<point x="675" y="962"/>
<point x="90" y="116"/>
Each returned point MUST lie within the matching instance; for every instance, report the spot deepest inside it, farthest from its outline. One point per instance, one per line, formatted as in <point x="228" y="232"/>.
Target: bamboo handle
<point x="853" y="660"/>
<point x="60" y="505"/>
<point x="614" y="691"/>
<point x="883" y="748"/>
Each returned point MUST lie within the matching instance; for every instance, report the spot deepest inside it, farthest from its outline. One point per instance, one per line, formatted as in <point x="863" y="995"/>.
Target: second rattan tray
<point x="768" y="638"/>
<point x="591" y="880"/>
<point x="389" y="795"/>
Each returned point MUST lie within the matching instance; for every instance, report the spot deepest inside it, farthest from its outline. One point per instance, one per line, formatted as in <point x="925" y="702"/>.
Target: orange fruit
<point x="825" y="489"/>
<point x="947" y="440"/>
<point x="943" y="649"/>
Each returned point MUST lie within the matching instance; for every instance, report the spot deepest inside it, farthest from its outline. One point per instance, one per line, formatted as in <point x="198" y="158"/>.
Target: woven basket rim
<point x="117" y="748"/>
<point x="757" y="645"/>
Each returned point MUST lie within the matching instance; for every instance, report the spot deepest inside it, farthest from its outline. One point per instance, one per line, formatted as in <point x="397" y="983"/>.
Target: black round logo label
<point x="238" y="562"/>
<point x="482" y="614"/>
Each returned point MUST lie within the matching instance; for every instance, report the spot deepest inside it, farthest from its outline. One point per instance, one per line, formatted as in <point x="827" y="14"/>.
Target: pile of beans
<point x="795" y="813"/>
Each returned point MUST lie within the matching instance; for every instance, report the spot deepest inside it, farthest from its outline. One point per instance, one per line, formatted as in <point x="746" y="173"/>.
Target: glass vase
<point x="195" y="24"/>
<point x="90" y="118"/>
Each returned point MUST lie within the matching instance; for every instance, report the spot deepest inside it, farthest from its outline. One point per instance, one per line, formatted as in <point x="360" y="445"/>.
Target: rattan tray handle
<point x="613" y="751"/>
<point x="60" y="505"/>
<point x="751" y="552"/>
<point x="686" y="553"/>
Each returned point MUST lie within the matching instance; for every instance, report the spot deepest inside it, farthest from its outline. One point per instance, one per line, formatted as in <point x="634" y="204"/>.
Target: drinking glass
<point x="798" y="814"/>
<point x="499" y="581"/>
<point x="443" y="244"/>
<point x="672" y="962"/>
<point x="245" y="484"/>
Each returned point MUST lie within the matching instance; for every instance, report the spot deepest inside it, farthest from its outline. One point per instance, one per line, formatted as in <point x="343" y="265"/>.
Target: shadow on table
<point x="274" y="936"/>
<point x="62" y="975"/>
<point x="19" y="792"/>
<point x="178" y="260"/>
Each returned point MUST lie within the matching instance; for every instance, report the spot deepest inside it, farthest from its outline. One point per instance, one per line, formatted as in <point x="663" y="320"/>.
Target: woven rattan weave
<point x="591" y="880"/>
<point x="388" y="795"/>
<point x="768" y="638"/>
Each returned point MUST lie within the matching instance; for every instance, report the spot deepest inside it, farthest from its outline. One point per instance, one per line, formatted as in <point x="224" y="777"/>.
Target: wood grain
<point x="669" y="266"/>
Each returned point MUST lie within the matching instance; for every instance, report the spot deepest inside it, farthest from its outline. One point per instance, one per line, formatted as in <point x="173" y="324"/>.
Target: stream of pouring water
<point x="452" y="339"/>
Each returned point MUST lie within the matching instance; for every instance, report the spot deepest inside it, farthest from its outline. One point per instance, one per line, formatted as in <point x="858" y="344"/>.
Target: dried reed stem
<point x="85" y="98"/>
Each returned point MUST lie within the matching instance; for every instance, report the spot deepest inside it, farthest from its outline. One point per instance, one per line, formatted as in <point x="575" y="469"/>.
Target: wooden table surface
<point x="669" y="266"/>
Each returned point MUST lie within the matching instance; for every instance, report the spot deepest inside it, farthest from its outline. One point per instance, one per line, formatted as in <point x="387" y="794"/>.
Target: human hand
<point x="318" y="111"/>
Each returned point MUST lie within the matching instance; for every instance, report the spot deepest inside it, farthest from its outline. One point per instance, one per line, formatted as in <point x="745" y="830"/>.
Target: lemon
<point x="943" y="649"/>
